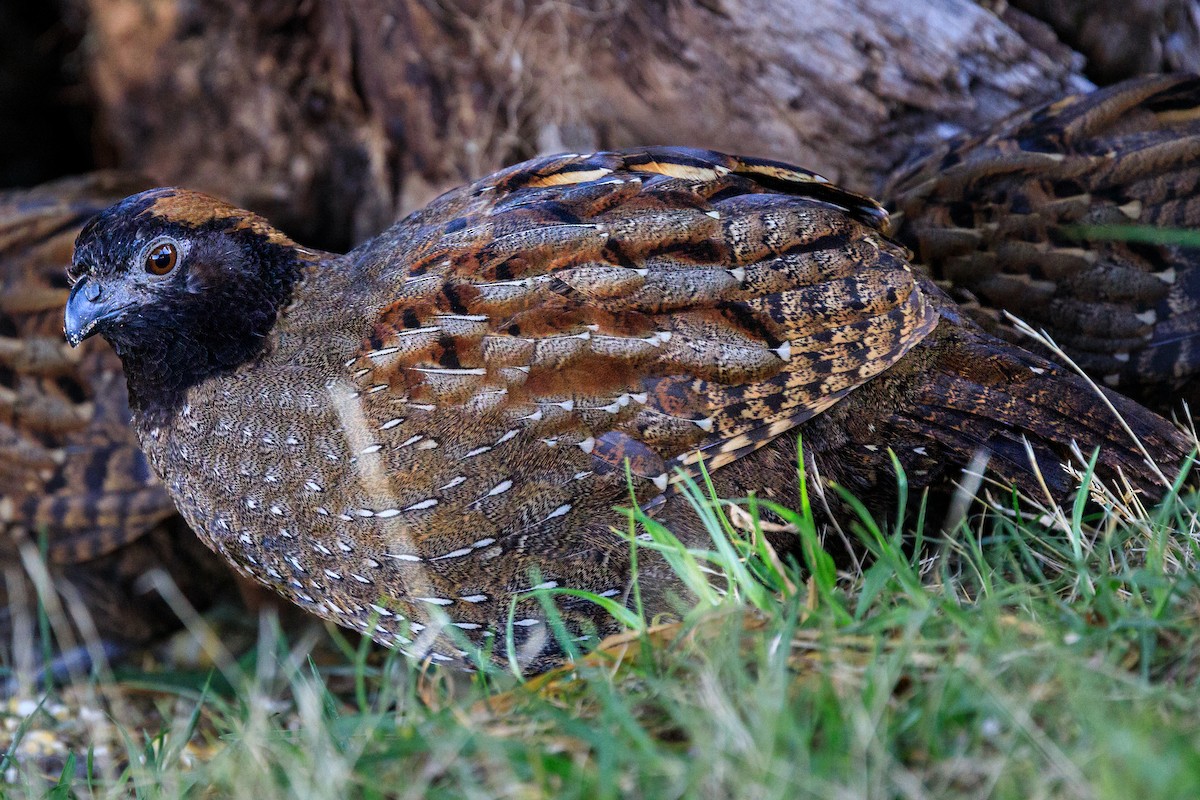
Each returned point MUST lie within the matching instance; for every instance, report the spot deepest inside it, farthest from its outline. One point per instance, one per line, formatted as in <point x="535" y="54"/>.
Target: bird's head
<point x="181" y="284"/>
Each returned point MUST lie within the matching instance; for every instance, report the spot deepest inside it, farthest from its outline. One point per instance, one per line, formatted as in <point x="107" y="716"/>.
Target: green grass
<point x="1146" y="234"/>
<point x="1011" y="659"/>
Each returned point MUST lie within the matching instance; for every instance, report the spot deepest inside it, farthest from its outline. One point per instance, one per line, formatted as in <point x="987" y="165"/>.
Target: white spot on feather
<point x="464" y="317"/>
<point x="462" y="551"/>
<point x="448" y="371"/>
<point x="424" y="504"/>
<point x="500" y="488"/>
<point x="558" y="512"/>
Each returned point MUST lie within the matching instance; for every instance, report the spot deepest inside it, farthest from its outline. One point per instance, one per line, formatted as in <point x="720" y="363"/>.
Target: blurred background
<point x="334" y="117"/>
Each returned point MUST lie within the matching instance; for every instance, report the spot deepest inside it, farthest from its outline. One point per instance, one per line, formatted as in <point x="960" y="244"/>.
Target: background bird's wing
<point x="665" y="306"/>
<point x="1000" y="216"/>
<point x="69" y="464"/>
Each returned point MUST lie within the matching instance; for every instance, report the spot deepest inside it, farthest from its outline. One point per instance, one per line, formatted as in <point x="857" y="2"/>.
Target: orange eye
<point x="161" y="259"/>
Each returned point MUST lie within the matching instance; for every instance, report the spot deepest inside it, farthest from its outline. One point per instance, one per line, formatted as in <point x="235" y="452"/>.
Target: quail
<point x="1002" y="217"/>
<point x="408" y="438"/>
<point x="71" y="470"/>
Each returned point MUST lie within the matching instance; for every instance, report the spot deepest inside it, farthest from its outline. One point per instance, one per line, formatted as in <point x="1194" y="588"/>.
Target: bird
<point x="1015" y="220"/>
<point x="425" y="438"/>
<point x="74" y="483"/>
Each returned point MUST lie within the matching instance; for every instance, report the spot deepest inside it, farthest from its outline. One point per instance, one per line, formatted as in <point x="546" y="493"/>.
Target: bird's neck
<point x="220" y="332"/>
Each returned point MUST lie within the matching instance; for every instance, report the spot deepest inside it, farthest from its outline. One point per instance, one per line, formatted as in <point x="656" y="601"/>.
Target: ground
<point x="1046" y="653"/>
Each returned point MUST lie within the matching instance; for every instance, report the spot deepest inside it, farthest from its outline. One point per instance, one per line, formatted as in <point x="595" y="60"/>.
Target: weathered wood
<point x="1124" y="38"/>
<point x="333" y="117"/>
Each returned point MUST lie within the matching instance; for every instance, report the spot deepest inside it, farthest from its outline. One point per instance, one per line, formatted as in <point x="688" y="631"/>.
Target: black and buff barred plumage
<point x="71" y="470"/>
<point x="414" y="434"/>
<point x="1001" y="216"/>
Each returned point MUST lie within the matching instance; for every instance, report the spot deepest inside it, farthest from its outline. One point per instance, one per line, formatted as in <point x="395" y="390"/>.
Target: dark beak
<point x="86" y="308"/>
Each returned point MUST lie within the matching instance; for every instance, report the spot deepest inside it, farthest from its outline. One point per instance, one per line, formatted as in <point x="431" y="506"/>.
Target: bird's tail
<point x="1031" y="417"/>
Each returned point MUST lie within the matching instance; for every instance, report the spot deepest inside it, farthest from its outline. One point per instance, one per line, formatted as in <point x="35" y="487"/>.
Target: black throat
<point x="203" y="334"/>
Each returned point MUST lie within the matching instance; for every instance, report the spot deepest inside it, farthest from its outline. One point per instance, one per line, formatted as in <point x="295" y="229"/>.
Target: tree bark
<point x="1124" y="38"/>
<point x="334" y="117"/>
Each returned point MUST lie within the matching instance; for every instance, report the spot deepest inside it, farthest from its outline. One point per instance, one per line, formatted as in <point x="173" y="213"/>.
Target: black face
<point x="183" y="287"/>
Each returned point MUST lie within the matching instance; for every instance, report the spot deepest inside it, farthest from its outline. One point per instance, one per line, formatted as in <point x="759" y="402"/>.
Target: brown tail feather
<point x="1005" y="396"/>
<point x="962" y="391"/>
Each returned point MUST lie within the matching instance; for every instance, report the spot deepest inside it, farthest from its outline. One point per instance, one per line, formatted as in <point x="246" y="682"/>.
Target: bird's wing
<point x="1001" y="215"/>
<point x="669" y="307"/>
<point x="69" y="464"/>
